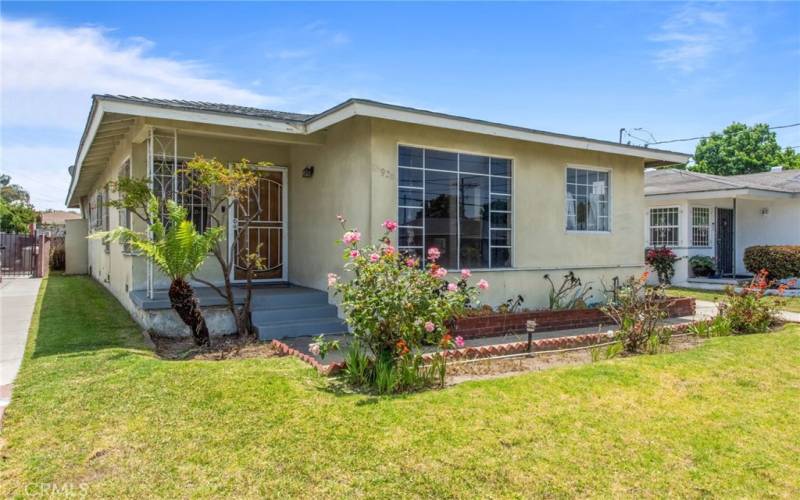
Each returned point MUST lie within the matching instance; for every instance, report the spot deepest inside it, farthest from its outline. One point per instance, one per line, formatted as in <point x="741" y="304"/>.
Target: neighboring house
<point x="720" y="216"/>
<point x="511" y="203"/>
<point x="53" y="222"/>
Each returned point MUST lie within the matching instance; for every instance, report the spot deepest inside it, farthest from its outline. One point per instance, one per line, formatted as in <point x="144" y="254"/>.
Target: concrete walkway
<point x="706" y="308"/>
<point x="17" y="298"/>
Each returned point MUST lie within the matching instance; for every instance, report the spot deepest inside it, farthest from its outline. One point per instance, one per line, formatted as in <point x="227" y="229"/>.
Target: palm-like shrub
<point x="178" y="250"/>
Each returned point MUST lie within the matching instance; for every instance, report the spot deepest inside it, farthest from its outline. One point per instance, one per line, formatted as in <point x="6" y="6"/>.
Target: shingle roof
<point x="212" y="107"/>
<point x="671" y="181"/>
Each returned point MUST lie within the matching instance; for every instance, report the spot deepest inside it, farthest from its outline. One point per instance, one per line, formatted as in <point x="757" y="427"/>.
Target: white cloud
<point x="49" y="73"/>
<point x="694" y="36"/>
<point x="41" y="170"/>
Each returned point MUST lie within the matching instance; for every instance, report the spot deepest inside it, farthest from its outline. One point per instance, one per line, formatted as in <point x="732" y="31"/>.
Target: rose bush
<point x="396" y="305"/>
<point x="663" y="261"/>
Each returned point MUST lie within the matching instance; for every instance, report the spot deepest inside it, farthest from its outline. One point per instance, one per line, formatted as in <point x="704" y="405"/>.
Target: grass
<point x="94" y="409"/>
<point x="788" y="303"/>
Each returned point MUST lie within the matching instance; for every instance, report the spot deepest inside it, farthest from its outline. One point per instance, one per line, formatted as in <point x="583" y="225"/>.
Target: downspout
<point x="733" y="239"/>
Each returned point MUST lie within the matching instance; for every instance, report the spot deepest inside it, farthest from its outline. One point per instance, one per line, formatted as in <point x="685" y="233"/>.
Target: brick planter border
<point x="494" y="325"/>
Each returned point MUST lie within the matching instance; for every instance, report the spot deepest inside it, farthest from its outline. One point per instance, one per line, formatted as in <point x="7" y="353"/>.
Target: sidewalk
<point x="17" y="299"/>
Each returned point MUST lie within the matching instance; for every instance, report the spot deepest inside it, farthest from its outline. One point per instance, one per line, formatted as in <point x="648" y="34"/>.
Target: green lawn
<point x="94" y="409"/>
<point x="789" y="303"/>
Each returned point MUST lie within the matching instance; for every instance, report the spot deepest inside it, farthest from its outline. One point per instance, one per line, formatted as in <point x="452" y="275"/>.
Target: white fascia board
<point x="94" y="124"/>
<point x="720" y="194"/>
<point x="497" y="130"/>
<point x="152" y="111"/>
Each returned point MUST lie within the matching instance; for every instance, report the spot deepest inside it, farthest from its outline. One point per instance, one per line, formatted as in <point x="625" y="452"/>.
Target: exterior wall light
<point x="308" y="171"/>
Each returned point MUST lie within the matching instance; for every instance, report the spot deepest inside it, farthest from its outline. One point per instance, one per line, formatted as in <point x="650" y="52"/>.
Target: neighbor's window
<point x="587" y="200"/>
<point x="170" y="183"/>
<point x="701" y="218"/>
<point x="664" y="227"/>
<point x="459" y="203"/>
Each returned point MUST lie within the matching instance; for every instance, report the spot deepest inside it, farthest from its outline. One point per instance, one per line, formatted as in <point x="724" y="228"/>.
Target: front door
<point x="725" y="234"/>
<point x="266" y="235"/>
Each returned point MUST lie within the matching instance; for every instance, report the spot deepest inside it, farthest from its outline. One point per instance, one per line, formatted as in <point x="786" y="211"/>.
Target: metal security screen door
<point x="266" y="236"/>
<point x="725" y="228"/>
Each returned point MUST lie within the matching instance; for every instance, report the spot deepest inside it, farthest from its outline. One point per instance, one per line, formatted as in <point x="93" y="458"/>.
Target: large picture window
<point x="664" y="227"/>
<point x="459" y="203"/>
<point x="701" y="220"/>
<point x="587" y="200"/>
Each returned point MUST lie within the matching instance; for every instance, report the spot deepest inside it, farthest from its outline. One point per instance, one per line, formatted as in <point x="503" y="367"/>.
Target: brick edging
<point x="486" y="351"/>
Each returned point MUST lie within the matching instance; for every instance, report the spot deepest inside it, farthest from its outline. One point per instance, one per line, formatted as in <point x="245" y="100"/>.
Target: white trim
<point x="722" y="193"/>
<point x="285" y="226"/>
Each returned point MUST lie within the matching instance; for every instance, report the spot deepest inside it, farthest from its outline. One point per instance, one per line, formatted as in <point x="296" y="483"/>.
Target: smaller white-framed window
<point x="664" y="227"/>
<point x="588" y="197"/>
<point x="701" y="224"/>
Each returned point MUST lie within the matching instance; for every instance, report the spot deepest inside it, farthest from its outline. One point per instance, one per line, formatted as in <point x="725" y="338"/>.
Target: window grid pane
<point x="701" y="218"/>
<point x="458" y="202"/>
<point x="664" y="227"/>
<point x="587" y="198"/>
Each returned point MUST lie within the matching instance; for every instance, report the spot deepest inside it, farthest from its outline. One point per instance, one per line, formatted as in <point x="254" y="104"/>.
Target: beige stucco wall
<point x="355" y="175"/>
<point x="341" y="184"/>
<point x="76" y="248"/>
<point x="541" y="243"/>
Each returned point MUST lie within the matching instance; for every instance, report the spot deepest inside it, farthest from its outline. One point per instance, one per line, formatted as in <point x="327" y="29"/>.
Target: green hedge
<point x="781" y="261"/>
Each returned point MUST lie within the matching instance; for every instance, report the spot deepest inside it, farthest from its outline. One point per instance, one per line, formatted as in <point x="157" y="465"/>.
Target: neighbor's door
<point x="266" y="236"/>
<point x="725" y="235"/>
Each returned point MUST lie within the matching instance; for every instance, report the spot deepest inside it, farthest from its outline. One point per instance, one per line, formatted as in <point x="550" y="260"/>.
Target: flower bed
<point x="492" y="325"/>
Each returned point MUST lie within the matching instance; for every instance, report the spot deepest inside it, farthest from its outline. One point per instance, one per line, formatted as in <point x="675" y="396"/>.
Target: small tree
<point x="178" y="250"/>
<point x="740" y="149"/>
<point x="663" y="261"/>
<point x="225" y="188"/>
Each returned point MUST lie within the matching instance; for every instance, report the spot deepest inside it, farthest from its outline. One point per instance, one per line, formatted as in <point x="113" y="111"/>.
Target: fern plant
<point x="178" y="250"/>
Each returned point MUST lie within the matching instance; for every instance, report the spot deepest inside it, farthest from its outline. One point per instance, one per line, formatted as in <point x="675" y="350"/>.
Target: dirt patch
<point x="226" y="347"/>
<point x="502" y="367"/>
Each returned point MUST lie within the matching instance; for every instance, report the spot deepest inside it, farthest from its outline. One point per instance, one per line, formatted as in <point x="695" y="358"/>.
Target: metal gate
<point x="725" y="236"/>
<point x="18" y="255"/>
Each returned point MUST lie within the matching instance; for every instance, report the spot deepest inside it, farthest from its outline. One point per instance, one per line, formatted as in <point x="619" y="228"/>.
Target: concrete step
<point x="303" y="312"/>
<point x="289" y="298"/>
<point x="299" y="328"/>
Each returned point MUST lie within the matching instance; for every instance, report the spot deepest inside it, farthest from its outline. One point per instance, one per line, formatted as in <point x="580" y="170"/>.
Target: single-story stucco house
<point x="720" y="216"/>
<point x="511" y="203"/>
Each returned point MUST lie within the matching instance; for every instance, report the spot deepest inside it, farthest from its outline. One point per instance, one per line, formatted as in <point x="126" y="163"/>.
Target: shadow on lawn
<point x="76" y="314"/>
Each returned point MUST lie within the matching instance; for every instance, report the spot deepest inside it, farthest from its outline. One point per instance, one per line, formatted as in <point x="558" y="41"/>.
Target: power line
<point x="707" y="136"/>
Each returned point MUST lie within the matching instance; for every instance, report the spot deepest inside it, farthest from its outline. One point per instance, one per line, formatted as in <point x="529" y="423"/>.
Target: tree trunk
<point x="182" y="298"/>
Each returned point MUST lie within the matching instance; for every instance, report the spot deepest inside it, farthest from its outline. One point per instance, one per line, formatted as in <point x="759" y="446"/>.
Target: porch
<point x="278" y="311"/>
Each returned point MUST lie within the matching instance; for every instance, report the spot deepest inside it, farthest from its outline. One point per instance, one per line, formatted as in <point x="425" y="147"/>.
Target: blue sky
<point x="675" y="69"/>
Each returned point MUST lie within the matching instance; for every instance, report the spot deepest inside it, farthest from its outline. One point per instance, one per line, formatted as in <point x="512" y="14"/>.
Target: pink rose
<point x="465" y="274"/>
<point x="434" y="253"/>
<point x="483" y="285"/>
<point x="439" y="272"/>
<point x="459" y="341"/>
<point x="373" y="257"/>
<point x="351" y="237"/>
<point x="389" y="250"/>
<point x="452" y="287"/>
<point x="429" y="326"/>
<point x="353" y="254"/>
<point x="411" y="262"/>
<point x="314" y="348"/>
<point x="389" y="225"/>
<point x="332" y="279"/>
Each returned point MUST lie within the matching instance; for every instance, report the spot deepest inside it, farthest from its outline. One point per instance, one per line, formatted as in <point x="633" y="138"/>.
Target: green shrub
<point x="638" y="311"/>
<point x="780" y="261"/>
<point x="748" y="311"/>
